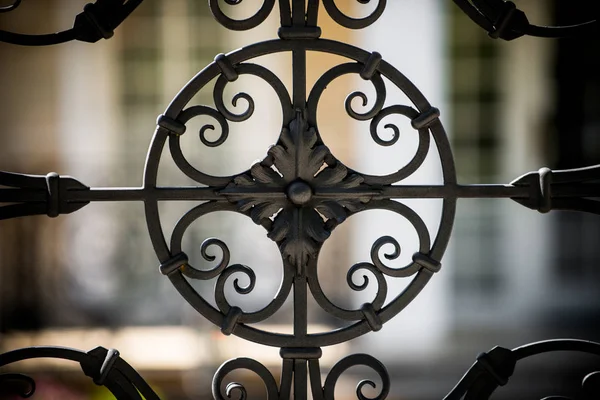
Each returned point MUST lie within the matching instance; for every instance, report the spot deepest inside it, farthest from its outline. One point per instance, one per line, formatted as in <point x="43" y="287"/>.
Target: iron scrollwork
<point x="502" y="19"/>
<point x="299" y="192"/>
<point x="105" y="367"/>
<point x="97" y="21"/>
<point x="495" y="368"/>
<point x="319" y="390"/>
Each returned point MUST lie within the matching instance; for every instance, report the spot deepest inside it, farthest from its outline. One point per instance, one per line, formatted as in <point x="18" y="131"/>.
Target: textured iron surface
<point x="97" y="21"/>
<point x="299" y="192"/>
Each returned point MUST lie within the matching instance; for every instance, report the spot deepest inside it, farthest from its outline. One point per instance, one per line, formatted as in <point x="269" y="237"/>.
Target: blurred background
<point x="511" y="276"/>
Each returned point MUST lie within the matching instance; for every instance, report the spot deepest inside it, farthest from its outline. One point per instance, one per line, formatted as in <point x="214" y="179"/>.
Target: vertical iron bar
<point x="299" y="80"/>
<point x="300" y="306"/>
<point x="316" y="386"/>
<point x="299" y="58"/>
<point x="285" y="384"/>
<point x="312" y="13"/>
<point x="298" y="13"/>
<point x="300" y="380"/>
<point x="285" y="13"/>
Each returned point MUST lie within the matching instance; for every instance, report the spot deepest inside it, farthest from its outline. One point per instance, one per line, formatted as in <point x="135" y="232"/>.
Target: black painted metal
<point x="97" y="21"/>
<point x="104" y="366"/>
<point x="300" y="192"/>
<point x="502" y="19"/>
<point x="494" y="369"/>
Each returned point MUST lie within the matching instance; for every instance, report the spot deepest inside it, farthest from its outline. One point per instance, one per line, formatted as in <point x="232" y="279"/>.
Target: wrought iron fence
<point x="300" y="192"/>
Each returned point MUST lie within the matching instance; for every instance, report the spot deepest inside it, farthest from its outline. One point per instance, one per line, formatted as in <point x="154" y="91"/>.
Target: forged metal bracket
<point x="35" y="194"/>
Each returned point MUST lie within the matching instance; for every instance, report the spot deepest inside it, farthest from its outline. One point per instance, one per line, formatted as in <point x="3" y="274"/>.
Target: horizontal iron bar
<point x="208" y="194"/>
<point x="433" y="191"/>
<point x="456" y="191"/>
<point x="141" y="194"/>
<point x="20" y="195"/>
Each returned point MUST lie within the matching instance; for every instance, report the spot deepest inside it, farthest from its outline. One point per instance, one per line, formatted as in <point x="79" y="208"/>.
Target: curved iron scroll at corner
<point x="247" y="364"/>
<point x="16" y="385"/>
<point x="502" y="19"/>
<point x="105" y="367"/>
<point x="354" y="23"/>
<point x="97" y="21"/>
<point x="495" y="368"/>
<point x="352" y="361"/>
<point x="243" y="24"/>
<point x="10" y="7"/>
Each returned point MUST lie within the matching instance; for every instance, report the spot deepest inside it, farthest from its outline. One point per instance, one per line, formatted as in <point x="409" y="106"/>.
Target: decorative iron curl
<point x="242" y="363"/>
<point x="105" y="367"/>
<point x="230" y="75"/>
<point x="377" y="303"/>
<point x="244" y="24"/>
<point x="495" y="368"/>
<point x="336" y="72"/>
<point x="196" y="111"/>
<point x="352" y="361"/>
<point x="424" y="138"/>
<point x="220" y="104"/>
<point x="17" y="384"/>
<point x="194" y="273"/>
<point x="10" y="7"/>
<point x="371" y="311"/>
<point x="97" y="21"/>
<point x="222" y="302"/>
<point x="354" y="23"/>
<point x="228" y="315"/>
<point x="502" y="19"/>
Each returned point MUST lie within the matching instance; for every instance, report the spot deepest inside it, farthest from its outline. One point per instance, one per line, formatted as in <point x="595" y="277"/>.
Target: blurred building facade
<point x="511" y="276"/>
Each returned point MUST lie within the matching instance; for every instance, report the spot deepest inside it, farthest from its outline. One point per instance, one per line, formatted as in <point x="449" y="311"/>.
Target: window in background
<point x="474" y="101"/>
<point x="161" y="47"/>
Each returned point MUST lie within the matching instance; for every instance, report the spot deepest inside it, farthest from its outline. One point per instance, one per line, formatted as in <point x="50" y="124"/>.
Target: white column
<point x="411" y="36"/>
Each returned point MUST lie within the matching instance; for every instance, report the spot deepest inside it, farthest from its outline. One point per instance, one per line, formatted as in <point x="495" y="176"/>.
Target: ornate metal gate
<point x="300" y="192"/>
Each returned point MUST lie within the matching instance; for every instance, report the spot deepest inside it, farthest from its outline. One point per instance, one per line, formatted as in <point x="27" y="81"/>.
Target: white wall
<point x="410" y="35"/>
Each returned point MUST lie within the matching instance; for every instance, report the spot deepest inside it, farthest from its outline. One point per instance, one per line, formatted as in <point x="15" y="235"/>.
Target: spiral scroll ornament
<point x="352" y="361"/>
<point x="354" y="23"/>
<point x="243" y="24"/>
<point x="300" y="192"/>
<point x="247" y="364"/>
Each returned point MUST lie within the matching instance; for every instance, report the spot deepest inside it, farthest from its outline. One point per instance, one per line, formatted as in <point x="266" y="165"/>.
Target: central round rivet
<point x="299" y="193"/>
